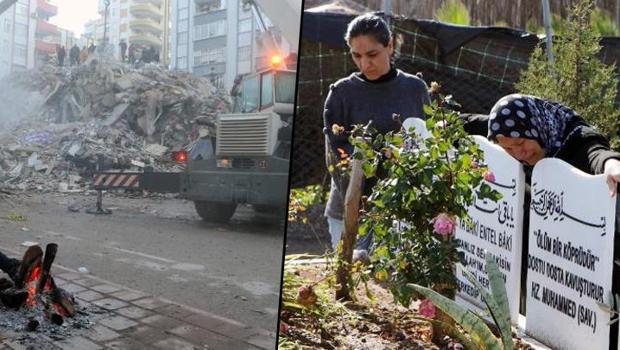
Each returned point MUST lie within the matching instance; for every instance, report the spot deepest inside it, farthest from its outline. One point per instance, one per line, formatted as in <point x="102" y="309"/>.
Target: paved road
<point x="160" y="246"/>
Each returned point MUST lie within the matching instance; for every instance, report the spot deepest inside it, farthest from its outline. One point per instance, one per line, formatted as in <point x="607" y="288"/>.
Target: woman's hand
<point x="612" y="171"/>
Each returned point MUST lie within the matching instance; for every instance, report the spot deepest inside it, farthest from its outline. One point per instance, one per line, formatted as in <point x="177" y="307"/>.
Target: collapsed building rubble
<point x="102" y="113"/>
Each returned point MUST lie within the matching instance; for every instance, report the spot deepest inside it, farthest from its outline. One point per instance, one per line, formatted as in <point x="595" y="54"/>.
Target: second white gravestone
<point x="570" y="257"/>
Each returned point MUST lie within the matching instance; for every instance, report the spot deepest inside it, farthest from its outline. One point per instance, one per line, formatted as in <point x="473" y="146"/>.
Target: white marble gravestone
<point x="418" y="125"/>
<point x="496" y="227"/>
<point x="570" y="257"/>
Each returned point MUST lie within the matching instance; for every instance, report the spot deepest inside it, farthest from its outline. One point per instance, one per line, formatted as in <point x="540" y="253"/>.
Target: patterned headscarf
<point x="549" y="123"/>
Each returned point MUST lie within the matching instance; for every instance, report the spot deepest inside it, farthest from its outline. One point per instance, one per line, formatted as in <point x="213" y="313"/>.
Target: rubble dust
<point x="59" y="124"/>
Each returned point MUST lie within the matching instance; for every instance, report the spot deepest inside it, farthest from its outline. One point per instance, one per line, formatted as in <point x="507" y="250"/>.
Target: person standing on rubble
<point x="131" y="53"/>
<point x="74" y="54"/>
<point x="375" y="93"/>
<point x="123" y="46"/>
<point x="60" y="53"/>
<point x="92" y="48"/>
<point x="83" y="55"/>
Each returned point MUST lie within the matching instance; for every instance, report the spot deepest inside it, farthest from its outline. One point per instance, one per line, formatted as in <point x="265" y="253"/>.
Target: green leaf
<point x="502" y="313"/>
<point x="471" y="323"/>
<point x="428" y="110"/>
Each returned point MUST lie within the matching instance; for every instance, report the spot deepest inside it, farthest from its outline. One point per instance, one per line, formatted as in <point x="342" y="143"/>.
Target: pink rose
<point x="489" y="176"/>
<point x="427" y="309"/>
<point x="283" y="327"/>
<point x="444" y="225"/>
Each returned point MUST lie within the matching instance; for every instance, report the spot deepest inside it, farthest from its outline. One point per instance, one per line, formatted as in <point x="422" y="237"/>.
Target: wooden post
<point x="349" y="236"/>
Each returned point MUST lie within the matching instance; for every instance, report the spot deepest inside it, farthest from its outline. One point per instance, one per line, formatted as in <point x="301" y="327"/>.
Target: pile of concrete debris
<point x="102" y="113"/>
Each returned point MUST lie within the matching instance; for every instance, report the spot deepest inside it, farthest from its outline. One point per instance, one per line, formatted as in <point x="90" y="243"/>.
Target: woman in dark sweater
<point x="375" y="93"/>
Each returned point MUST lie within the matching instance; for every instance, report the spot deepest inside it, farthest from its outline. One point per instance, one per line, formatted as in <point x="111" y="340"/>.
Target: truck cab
<point x="247" y="160"/>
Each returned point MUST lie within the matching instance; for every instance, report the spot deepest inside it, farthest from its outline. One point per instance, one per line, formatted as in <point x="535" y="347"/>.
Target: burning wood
<point x="35" y="288"/>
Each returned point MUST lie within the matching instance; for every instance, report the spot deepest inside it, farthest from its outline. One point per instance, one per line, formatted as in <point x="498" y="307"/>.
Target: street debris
<point x="16" y="217"/>
<point x="99" y="116"/>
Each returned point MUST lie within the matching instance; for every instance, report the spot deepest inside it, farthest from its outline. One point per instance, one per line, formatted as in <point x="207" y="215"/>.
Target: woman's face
<point x="370" y="56"/>
<point x="522" y="149"/>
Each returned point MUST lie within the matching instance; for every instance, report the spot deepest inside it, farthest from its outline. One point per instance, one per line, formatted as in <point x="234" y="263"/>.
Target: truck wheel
<point x="215" y="212"/>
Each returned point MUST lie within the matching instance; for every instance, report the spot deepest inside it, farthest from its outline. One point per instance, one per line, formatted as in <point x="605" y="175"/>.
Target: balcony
<point x="47" y="28"/>
<point x="155" y="2"/>
<point x="206" y="6"/>
<point x="46" y="8"/>
<point x="145" y="39"/>
<point x="146" y="10"/>
<point x="45" y="47"/>
<point x="146" y="24"/>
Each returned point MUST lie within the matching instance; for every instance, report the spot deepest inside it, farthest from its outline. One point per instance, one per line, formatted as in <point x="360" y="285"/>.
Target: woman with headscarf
<point x="531" y="128"/>
<point x="375" y="93"/>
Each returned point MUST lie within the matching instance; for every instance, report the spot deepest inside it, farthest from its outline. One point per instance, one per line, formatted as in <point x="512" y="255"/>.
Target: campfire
<point x="34" y="288"/>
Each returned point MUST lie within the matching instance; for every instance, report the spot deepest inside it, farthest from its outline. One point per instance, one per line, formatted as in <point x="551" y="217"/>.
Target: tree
<point x="578" y="78"/>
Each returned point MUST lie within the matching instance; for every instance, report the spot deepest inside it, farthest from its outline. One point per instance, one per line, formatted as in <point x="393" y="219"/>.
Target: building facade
<point x="142" y="23"/>
<point x="17" y="37"/>
<point x="47" y="35"/>
<point x="219" y="39"/>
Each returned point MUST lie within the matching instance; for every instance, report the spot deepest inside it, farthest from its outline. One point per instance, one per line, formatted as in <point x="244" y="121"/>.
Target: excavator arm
<point x="284" y="14"/>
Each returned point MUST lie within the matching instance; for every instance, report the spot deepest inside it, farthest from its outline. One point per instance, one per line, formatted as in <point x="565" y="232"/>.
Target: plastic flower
<point x="306" y="296"/>
<point x="427" y="309"/>
<point x="283" y="327"/>
<point x="337" y="129"/>
<point x="444" y="225"/>
<point x="489" y="176"/>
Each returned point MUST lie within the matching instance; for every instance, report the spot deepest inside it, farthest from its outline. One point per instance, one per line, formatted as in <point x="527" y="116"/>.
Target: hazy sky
<point x="72" y="14"/>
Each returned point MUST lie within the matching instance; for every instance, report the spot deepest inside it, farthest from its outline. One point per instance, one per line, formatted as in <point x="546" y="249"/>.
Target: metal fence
<point x="477" y="65"/>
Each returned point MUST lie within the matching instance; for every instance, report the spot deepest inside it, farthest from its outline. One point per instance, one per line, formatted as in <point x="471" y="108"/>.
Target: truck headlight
<point x="224" y="163"/>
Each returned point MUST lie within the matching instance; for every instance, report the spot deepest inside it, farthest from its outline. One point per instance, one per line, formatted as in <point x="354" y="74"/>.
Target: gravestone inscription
<point x="494" y="227"/>
<point x="570" y="257"/>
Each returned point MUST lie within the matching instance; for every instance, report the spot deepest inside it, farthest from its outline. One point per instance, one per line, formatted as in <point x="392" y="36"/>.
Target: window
<point x="212" y="5"/>
<point x="182" y="49"/>
<point x="21" y="30"/>
<point x="285" y="87"/>
<point x="123" y="28"/>
<point x="245" y="25"/>
<point x="182" y="62"/>
<point x="245" y="53"/>
<point x="250" y="94"/>
<point x="181" y="4"/>
<point x="207" y="56"/>
<point x="5" y="46"/>
<point x="184" y="13"/>
<point x="217" y="28"/>
<point x="209" y="30"/>
<point x="7" y="25"/>
<point x="20" y="51"/>
<point x="266" y="90"/>
<point x="182" y="38"/>
<point x="21" y="9"/>
<point x="182" y="25"/>
<point x="123" y="12"/>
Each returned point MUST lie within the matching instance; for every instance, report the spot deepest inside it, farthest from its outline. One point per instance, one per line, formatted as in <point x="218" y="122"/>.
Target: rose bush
<point x="425" y="184"/>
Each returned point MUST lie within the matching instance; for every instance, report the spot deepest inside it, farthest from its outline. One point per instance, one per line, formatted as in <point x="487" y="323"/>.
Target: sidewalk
<point x="129" y="319"/>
